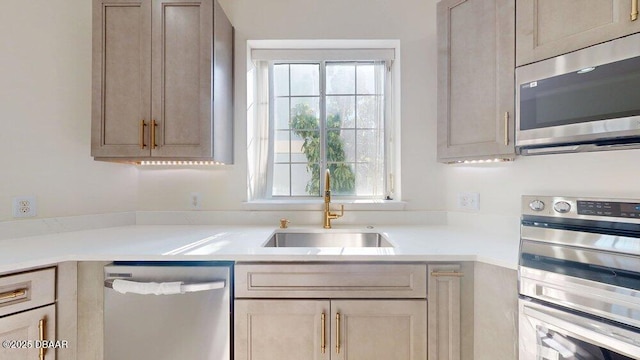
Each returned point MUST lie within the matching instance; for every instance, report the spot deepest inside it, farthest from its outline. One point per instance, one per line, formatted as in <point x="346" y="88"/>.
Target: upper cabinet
<point x="162" y="81"/>
<point x="547" y="28"/>
<point x="476" y="40"/>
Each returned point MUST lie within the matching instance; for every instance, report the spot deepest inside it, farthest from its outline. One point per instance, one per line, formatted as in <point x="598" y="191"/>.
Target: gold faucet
<point x="328" y="215"/>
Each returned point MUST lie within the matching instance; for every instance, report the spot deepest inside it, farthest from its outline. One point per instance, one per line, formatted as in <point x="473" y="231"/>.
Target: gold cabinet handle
<point x="446" y="273"/>
<point x="338" y="333"/>
<point x="323" y="341"/>
<point x="506" y="128"/>
<point x="142" y="126"/>
<point x="41" y="325"/>
<point x="12" y="294"/>
<point x="634" y="10"/>
<point x="153" y="134"/>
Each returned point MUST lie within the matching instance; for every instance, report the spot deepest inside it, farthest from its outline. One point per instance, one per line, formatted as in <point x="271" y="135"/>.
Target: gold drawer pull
<point x="634" y="10"/>
<point x="13" y="294"/>
<point x="323" y="342"/>
<point x="447" y="273"/>
<point x="41" y="325"/>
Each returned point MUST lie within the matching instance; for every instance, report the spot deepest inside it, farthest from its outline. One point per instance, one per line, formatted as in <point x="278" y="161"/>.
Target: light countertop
<point x="243" y="243"/>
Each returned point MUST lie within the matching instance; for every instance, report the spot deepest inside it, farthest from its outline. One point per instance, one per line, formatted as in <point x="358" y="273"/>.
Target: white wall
<point x="45" y="114"/>
<point x="411" y="21"/>
<point x="603" y="174"/>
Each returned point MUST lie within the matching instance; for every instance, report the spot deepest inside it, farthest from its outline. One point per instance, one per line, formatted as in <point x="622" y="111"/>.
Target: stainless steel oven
<point x="586" y="100"/>
<point x="579" y="279"/>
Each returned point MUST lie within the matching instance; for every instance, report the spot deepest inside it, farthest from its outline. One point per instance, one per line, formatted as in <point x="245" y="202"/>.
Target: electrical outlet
<point x="24" y="206"/>
<point x="469" y="201"/>
<point x="195" y="201"/>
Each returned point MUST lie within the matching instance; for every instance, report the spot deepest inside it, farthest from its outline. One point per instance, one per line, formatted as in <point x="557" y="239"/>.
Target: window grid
<point x="323" y="128"/>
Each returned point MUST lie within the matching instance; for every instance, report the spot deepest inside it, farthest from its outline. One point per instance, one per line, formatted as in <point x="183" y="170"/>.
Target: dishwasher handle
<point x="148" y="288"/>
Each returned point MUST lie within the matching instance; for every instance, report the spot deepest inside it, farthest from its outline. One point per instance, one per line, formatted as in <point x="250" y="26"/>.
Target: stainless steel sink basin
<point x="333" y="239"/>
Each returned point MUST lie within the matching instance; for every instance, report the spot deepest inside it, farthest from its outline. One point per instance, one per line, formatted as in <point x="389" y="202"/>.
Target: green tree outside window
<point x="303" y="123"/>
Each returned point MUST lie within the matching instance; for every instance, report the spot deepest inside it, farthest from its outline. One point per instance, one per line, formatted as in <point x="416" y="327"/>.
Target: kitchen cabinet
<point x="28" y="315"/>
<point x="26" y="328"/>
<point x="444" y="312"/>
<point x="330" y="329"/>
<point x="475" y="79"/>
<point x="330" y="311"/>
<point x="545" y="29"/>
<point x="162" y="80"/>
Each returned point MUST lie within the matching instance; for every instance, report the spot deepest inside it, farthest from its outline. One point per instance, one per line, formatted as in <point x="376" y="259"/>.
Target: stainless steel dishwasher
<point x="167" y="310"/>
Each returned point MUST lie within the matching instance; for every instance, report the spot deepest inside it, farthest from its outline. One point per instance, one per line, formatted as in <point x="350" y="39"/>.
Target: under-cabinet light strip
<point x="481" y="161"/>
<point x="178" y="162"/>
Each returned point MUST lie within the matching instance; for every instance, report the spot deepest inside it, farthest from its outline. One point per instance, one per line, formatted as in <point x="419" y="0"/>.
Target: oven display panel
<point x="609" y="208"/>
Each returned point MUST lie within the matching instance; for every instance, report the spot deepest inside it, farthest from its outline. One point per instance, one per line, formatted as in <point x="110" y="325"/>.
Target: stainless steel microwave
<point x="587" y="100"/>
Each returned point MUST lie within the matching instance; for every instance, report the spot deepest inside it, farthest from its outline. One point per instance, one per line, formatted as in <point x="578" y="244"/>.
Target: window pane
<point x="305" y="180"/>
<point x="305" y="146"/>
<point x="341" y="111"/>
<point x="281" y="80"/>
<point x="369" y="112"/>
<point x="281" y="178"/>
<point x="305" y="79"/>
<point x="281" y="113"/>
<point x="305" y="113"/>
<point x="352" y="137"/>
<point x="343" y="179"/>
<point x="341" y="78"/>
<point x="341" y="145"/>
<point x="281" y="146"/>
<point x="366" y="79"/>
<point x="370" y="144"/>
<point x="369" y="180"/>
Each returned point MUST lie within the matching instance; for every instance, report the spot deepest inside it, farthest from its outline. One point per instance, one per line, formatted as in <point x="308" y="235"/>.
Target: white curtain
<point x="377" y="171"/>
<point x="258" y="130"/>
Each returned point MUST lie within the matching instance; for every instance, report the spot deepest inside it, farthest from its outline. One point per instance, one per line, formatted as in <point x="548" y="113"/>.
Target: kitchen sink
<point x="328" y="239"/>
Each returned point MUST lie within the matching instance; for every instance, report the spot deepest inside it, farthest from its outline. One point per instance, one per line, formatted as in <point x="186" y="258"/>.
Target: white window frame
<point x="294" y="51"/>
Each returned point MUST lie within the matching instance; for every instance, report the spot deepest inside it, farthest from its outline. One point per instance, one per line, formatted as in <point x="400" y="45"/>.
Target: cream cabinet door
<point x="475" y="79"/>
<point x="547" y="28"/>
<point x="281" y="329"/>
<point x="444" y="312"/>
<point x="379" y="329"/>
<point x="181" y="77"/>
<point x="25" y="328"/>
<point x="162" y="80"/>
<point x="121" y="92"/>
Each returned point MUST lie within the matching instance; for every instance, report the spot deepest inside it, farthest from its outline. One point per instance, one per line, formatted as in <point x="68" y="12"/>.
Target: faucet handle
<point x="284" y="223"/>
<point x="341" y="211"/>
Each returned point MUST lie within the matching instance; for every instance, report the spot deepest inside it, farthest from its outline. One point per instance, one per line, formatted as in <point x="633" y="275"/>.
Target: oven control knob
<point x="536" y="205"/>
<point x="562" y="207"/>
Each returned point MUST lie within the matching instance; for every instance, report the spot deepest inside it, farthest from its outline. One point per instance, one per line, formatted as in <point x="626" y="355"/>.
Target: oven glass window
<point x="604" y="92"/>
<point x="556" y="346"/>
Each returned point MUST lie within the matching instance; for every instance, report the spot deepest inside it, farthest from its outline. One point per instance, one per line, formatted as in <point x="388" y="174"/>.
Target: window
<point x="327" y="115"/>
<point x="316" y="112"/>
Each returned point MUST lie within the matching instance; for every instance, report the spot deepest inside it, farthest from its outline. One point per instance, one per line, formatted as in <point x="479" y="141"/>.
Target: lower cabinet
<point x="444" y="291"/>
<point x="330" y="329"/>
<point x="28" y="315"/>
<point x="26" y="335"/>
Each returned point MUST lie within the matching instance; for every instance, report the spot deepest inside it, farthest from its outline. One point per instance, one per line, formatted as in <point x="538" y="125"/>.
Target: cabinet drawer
<point x="25" y="291"/>
<point x="330" y="281"/>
